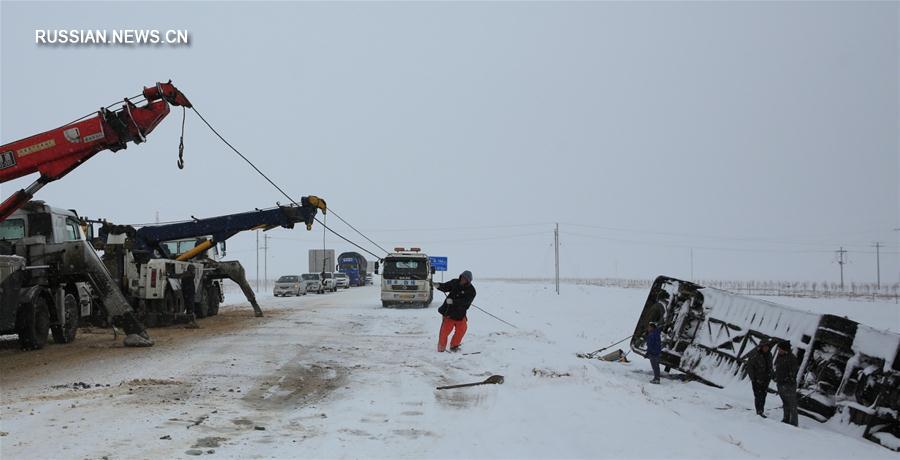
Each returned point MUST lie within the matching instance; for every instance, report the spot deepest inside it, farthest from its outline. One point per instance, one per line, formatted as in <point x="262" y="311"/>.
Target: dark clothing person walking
<point x="460" y="294"/>
<point x="654" y="350"/>
<point x="786" y="368"/>
<point x="759" y="369"/>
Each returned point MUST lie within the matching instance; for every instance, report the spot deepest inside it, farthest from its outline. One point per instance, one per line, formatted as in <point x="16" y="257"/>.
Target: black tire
<point x="33" y="324"/>
<point x="213" y="299"/>
<point x="201" y="309"/>
<point x="66" y="333"/>
<point x="174" y="306"/>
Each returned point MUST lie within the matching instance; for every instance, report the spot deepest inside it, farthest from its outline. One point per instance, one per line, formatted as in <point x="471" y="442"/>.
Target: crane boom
<point x="220" y="228"/>
<point x="57" y="152"/>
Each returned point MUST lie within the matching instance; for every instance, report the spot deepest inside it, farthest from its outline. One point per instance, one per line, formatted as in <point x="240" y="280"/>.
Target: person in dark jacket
<point x="188" y="292"/>
<point x="460" y="294"/>
<point x="786" y="368"/>
<point x="654" y="349"/>
<point x="759" y="369"/>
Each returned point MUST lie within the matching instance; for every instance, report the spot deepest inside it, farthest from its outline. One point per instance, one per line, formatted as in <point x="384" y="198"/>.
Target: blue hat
<point x="467" y="275"/>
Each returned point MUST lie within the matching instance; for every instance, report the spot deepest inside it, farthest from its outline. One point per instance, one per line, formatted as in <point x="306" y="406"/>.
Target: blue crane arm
<point x="220" y="228"/>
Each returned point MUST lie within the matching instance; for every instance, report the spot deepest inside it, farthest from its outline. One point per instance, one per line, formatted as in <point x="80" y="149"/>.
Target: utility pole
<point x="841" y="262"/>
<point x="257" y="261"/>
<point x="265" y="262"/>
<point x="878" y="265"/>
<point x="556" y="246"/>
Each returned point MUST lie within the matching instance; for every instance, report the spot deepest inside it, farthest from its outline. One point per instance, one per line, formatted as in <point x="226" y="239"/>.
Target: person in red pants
<point x="460" y="294"/>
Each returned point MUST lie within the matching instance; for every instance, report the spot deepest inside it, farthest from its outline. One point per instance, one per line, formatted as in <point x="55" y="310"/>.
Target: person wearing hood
<point x="460" y="294"/>
<point x="786" y="369"/>
<point x="759" y="369"/>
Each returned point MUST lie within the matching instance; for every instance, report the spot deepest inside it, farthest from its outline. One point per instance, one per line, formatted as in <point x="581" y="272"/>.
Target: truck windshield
<point x="405" y="267"/>
<point x="12" y="229"/>
<point x="311" y="277"/>
<point x="348" y="266"/>
<point x="288" y="279"/>
<point x="179" y="247"/>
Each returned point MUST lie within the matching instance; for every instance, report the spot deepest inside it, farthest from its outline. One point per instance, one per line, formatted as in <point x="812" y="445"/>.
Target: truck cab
<point x="354" y="265"/>
<point x="406" y="278"/>
<point x="37" y="296"/>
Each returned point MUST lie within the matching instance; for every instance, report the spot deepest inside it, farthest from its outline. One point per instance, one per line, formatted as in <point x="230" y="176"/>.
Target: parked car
<point x="341" y="280"/>
<point x="327" y="283"/>
<point x="289" y="285"/>
<point x="312" y="282"/>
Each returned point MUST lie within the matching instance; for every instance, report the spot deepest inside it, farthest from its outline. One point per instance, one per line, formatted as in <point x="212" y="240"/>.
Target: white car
<point x="342" y="280"/>
<point x="327" y="283"/>
<point x="311" y="282"/>
<point x="289" y="285"/>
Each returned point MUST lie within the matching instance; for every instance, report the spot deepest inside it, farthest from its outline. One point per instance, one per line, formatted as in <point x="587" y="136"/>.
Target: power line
<point x="474" y="227"/>
<point x="689" y="246"/>
<point x="457" y="240"/>
<point x="719" y="237"/>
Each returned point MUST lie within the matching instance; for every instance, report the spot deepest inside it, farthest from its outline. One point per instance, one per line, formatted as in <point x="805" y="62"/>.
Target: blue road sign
<point x="439" y="263"/>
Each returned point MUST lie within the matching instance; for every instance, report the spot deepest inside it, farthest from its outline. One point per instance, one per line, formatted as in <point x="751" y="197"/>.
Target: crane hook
<point x="181" y="141"/>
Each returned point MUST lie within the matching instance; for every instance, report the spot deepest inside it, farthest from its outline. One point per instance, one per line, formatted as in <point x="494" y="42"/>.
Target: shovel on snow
<point x="492" y="380"/>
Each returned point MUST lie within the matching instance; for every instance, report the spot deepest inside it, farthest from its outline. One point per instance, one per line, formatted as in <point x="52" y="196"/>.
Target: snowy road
<point x="337" y="376"/>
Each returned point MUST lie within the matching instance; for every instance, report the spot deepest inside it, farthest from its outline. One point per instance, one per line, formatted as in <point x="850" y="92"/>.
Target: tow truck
<point x="143" y="260"/>
<point x="406" y="279"/>
<point x="46" y="266"/>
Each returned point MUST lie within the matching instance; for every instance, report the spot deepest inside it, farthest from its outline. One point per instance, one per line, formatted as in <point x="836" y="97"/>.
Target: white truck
<point x="406" y="278"/>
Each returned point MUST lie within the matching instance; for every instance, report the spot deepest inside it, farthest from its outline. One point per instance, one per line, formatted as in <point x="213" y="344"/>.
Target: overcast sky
<point x="762" y="135"/>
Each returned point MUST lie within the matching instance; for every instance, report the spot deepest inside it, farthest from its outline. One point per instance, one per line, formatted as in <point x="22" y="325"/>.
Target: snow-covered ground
<point x="337" y="376"/>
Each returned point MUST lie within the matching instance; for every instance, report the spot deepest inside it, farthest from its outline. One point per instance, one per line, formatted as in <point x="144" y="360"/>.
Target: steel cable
<point x="208" y="125"/>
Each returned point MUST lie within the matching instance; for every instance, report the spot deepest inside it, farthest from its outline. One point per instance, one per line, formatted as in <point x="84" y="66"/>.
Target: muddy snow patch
<point x="295" y="385"/>
<point x="548" y="373"/>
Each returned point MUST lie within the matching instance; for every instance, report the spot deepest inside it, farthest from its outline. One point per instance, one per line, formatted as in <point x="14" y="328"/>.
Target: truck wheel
<point x="201" y="310"/>
<point x="66" y="333"/>
<point x="174" y="305"/>
<point x="213" y="299"/>
<point x="33" y="324"/>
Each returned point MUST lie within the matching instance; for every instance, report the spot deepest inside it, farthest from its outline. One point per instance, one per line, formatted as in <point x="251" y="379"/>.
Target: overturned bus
<point x="848" y="372"/>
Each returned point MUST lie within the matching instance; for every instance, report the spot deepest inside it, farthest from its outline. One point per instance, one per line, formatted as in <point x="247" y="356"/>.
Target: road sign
<point x="439" y="263"/>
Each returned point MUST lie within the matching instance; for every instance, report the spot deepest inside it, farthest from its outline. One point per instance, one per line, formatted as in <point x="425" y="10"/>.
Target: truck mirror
<point x="223" y="248"/>
<point x="432" y="270"/>
<point x="337" y="268"/>
<point x="376" y="268"/>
